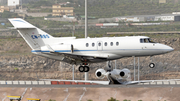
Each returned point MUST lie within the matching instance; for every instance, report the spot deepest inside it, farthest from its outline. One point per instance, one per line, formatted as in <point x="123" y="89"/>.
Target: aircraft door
<point x="99" y="45"/>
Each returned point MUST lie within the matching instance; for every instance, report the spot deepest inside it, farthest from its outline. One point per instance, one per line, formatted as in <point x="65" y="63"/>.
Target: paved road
<point x="90" y="86"/>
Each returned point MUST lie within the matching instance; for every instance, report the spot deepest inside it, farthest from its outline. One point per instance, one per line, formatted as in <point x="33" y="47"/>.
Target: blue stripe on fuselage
<point x="62" y="50"/>
<point x="94" y="50"/>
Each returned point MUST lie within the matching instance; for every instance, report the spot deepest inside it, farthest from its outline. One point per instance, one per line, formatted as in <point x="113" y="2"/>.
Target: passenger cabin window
<point x="117" y="43"/>
<point x="93" y="44"/>
<point x="111" y="43"/>
<point x="146" y="40"/>
<point x="105" y="44"/>
<point x="87" y="44"/>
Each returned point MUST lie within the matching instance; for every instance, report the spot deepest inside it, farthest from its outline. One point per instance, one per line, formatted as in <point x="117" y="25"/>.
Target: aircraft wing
<point x="73" y="58"/>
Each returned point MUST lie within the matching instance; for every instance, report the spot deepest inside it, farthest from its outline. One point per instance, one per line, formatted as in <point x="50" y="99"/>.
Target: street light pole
<point x="134" y="68"/>
<point x="86" y="25"/>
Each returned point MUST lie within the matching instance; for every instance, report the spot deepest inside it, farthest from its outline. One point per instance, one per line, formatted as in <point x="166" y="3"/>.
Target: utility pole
<point x="138" y="68"/>
<point x="134" y="68"/>
<point x="86" y="25"/>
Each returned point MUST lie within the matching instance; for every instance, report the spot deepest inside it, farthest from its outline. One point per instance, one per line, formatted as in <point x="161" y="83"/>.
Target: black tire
<point x="81" y="69"/>
<point x="151" y="65"/>
<point x="86" y="69"/>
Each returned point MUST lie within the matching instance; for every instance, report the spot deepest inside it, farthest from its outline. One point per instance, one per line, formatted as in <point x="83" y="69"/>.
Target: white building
<point x="13" y="2"/>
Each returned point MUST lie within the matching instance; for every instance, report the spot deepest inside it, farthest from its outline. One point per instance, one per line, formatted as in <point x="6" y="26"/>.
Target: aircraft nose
<point x="168" y="49"/>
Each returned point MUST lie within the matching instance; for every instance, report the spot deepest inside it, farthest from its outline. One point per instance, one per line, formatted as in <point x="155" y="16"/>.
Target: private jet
<point x="84" y="51"/>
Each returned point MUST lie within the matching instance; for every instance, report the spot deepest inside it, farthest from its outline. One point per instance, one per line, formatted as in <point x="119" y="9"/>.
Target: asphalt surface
<point x="89" y="86"/>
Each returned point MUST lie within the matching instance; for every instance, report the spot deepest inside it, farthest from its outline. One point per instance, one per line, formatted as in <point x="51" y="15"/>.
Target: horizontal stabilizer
<point x="19" y="23"/>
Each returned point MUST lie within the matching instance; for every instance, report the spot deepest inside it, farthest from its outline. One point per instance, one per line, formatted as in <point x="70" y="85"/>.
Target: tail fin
<point x="34" y="37"/>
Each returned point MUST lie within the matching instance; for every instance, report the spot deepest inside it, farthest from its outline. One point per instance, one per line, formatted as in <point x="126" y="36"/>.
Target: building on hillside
<point x="162" y="1"/>
<point x="13" y="2"/>
<point x="57" y="10"/>
<point x="175" y="16"/>
<point x="4" y="8"/>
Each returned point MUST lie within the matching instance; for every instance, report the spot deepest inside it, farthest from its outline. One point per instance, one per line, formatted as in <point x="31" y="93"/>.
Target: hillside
<point x="113" y="8"/>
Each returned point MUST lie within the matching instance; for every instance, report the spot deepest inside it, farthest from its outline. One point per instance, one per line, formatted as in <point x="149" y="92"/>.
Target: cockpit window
<point x="146" y="40"/>
<point x="151" y="41"/>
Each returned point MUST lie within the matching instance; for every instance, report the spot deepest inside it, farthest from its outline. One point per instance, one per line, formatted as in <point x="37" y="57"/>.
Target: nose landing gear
<point x="151" y="65"/>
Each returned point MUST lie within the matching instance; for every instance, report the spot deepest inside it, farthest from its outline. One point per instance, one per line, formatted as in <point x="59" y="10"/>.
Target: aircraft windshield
<point x="146" y="40"/>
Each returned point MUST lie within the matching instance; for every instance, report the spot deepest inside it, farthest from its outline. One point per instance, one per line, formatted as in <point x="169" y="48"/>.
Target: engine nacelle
<point x="125" y="73"/>
<point x="100" y="73"/>
<point x="120" y="74"/>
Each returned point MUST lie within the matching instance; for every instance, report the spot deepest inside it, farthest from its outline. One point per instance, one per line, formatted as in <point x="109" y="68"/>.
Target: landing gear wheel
<point x="81" y="69"/>
<point x="86" y="69"/>
<point x="151" y="65"/>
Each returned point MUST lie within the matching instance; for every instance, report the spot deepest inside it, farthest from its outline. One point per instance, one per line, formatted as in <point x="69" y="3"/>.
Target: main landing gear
<point x="84" y="68"/>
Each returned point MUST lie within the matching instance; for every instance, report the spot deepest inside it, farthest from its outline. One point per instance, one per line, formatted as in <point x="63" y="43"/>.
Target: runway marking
<point x="171" y="89"/>
<point x="23" y="93"/>
<point x="81" y="96"/>
<point x="66" y="97"/>
<point x="4" y="98"/>
<point x="45" y="91"/>
<point x="115" y="94"/>
<point x="84" y="88"/>
<point x="66" y="90"/>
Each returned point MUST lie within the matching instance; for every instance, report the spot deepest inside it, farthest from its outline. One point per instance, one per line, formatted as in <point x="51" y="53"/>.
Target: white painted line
<point x="166" y="82"/>
<point x="66" y="97"/>
<point x="81" y="96"/>
<point x="47" y="82"/>
<point x="28" y="82"/>
<point x="172" y="82"/>
<point x="3" y="82"/>
<point x="22" y="82"/>
<point x="15" y="82"/>
<point x="115" y="94"/>
<point x="177" y="82"/>
<point x="4" y="98"/>
<point x="41" y="82"/>
<point x="66" y="90"/>
<point x="84" y="89"/>
<point x="9" y="82"/>
<point x="159" y="82"/>
<point x="34" y="82"/>
<point x="146" y="83"/>
<point x="140" y="83"/>
<point x="171" y="89"/>
<point x="23" y="93"/>
<point x="153" y="83"/>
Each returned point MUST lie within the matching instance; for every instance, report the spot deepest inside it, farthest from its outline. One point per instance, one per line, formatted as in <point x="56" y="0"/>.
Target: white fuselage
<point x="110" y="47"/>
